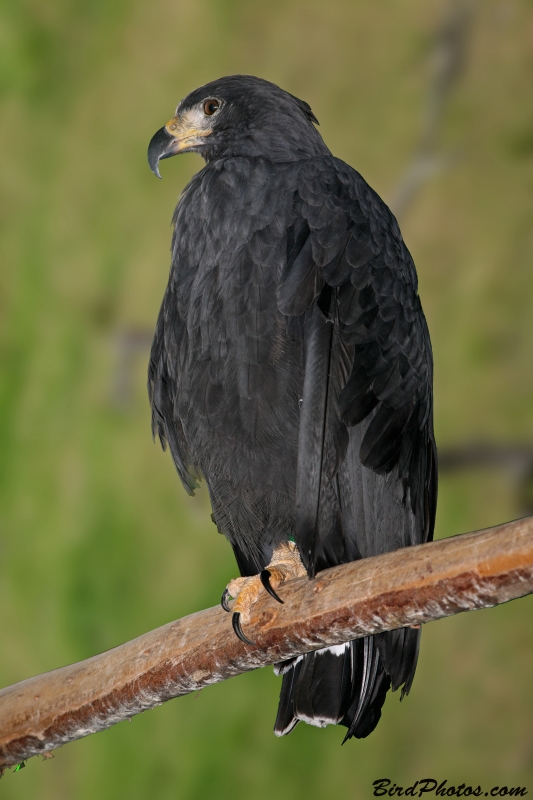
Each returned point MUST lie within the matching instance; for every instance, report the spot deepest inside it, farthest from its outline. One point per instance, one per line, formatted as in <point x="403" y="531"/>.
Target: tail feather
<point x="286" y="720"/>
<point x="346" y="684"/>
<point x="367" y="667"/>
<point x="320" y="694"/>
<point x="365" y="724"/>
<point x="399" y="654"/>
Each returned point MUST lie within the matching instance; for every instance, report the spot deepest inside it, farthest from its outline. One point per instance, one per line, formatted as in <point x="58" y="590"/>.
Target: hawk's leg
<point x="285" y="564"/>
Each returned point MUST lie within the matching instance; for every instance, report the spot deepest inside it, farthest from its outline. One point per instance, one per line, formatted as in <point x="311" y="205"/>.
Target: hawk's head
<point x="239" y="116"/>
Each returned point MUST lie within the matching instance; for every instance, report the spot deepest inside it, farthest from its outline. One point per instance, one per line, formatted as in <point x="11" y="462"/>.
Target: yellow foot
<point x="285" y="564"/>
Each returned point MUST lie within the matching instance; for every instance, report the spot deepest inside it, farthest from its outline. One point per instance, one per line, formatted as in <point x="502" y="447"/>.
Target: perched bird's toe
<point x="285" y="564"/>
<point x="224" y="600"/>
<point x="265" y="576"/>
<point x="236" y="622"/>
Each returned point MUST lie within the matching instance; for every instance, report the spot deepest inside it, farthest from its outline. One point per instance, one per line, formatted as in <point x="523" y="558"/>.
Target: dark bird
<point x="291" y="368"/>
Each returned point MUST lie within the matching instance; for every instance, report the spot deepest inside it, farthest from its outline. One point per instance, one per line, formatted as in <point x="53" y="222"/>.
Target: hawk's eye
<point x="210" y="106"/>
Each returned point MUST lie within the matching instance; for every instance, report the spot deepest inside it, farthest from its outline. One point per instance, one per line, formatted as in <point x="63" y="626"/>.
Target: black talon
<point x="224" y="600"/>
<point x="265" y="580"/>
<point x="235" y="621"/>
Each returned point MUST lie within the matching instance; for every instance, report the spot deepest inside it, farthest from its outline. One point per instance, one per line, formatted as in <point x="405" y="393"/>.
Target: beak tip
<point x="153" y="163"/>
<point x="154" y="167"/>
<point x="160" y="147"/>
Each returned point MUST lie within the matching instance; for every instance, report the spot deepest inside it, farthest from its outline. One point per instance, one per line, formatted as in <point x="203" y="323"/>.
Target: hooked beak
<point x="175" y="137"/>
<point x="162" y="145"/>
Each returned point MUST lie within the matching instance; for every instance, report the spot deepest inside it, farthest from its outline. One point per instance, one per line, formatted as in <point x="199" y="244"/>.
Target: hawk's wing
<point x="367" y="477"/>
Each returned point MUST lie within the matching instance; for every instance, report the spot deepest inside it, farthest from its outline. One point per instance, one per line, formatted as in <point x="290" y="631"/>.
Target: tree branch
<point x="406" y="587"/>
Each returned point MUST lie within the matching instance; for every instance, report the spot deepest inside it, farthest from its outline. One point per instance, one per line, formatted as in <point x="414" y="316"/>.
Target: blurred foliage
<point x="98" y="541"/>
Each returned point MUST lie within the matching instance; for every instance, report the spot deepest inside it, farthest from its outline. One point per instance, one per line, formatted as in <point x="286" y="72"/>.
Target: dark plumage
<point x="291" y="368"/>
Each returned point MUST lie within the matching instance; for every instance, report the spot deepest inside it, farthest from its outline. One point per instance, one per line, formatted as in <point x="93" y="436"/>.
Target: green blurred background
<point x="432" y="102"/>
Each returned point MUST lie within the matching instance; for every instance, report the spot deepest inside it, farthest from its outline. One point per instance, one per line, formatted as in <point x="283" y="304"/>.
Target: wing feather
<point x="353" y="244"/>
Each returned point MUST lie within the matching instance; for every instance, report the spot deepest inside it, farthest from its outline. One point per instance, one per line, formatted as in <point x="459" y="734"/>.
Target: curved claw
<point x="224" y="600"/>
<point x="265" y="580"/>
<point x="236" y="622"/>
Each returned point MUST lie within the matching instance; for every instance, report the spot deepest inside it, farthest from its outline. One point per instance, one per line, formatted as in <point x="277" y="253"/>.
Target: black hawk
<point x="291" y="368"/>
